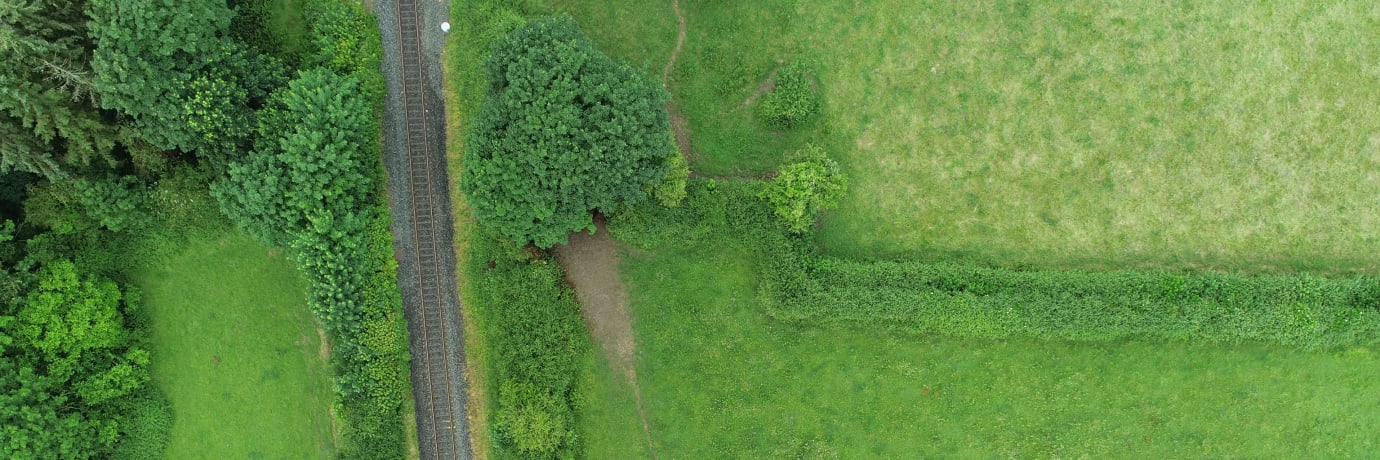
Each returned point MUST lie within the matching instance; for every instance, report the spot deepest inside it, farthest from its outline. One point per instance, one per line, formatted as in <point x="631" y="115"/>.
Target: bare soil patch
<point x="590" y="263"/>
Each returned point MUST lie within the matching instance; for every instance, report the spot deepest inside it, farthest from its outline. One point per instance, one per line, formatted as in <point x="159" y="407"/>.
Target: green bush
<point x="563" y="130"/>
<point x="532" y="419"/>
<point x="144" y="434"/>
<point x="671" y="190"/>
<point x="119" y="203"/>
<point x="792" y="101"/>
<point x="803" y="189"/>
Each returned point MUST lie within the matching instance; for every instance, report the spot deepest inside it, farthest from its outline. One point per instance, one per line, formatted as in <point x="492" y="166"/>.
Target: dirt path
<point x="591" y="266"/>
<point x="680" y="42"/>
<point x="767" y="85"/>
<point x="680" y="126"/>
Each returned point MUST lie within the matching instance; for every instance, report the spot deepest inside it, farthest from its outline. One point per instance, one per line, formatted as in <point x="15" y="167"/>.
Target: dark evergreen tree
<point x="47" y="116"/>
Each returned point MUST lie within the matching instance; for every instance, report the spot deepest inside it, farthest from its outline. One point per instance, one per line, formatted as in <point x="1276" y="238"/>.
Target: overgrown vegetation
<point x="793" y="99"/>
<point x="537" y="343"/>
<point x="564" y="130"/>
<point x="805" y="187"/>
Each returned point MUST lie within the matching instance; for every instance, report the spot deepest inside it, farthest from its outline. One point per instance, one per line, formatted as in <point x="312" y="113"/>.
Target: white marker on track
<point x="445" y="27"/>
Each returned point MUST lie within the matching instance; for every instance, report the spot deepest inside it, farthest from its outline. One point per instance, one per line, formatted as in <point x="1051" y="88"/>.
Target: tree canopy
<point x="307" y="169"/>
<point x="68" y="368"/>
<point x="563" y="130"/>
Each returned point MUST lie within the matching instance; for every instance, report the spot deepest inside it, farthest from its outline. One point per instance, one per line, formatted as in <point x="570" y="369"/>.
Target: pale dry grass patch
<point x="1234" y="136"/>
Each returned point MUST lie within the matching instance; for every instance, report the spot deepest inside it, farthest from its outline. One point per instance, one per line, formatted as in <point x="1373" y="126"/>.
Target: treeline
<point x="115" y="115"/>
<point x="804" y="287"/>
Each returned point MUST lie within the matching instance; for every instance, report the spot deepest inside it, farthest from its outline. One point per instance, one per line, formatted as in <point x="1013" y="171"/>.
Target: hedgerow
<point x="801" y="286"/>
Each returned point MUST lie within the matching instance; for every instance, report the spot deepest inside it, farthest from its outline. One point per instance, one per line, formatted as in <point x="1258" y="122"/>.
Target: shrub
<point x="805" y="188"/>
<point x="793" y="100"/>
<point x="118" y="203"/>
<point x="144" y="435"/>
<point x="563" y="130"/>
<point x="535" y="339"/>
<point x="535" y="421"/>
<point x="671" y="190"/>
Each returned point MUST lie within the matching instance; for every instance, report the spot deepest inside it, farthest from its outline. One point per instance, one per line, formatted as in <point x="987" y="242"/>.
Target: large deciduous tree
<point x="563" y="130"/>
<point x="68" y="367"/>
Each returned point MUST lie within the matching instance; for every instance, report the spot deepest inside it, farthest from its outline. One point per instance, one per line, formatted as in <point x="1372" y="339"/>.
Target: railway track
<point x="440" y="414"/>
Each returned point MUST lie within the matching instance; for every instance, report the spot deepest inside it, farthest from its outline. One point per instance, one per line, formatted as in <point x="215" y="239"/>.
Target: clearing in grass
<point x="237" y="353"/>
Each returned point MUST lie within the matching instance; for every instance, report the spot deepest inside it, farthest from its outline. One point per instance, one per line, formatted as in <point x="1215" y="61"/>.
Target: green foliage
<point x="563" y="130"/>
<point x="671" y="190"/>
<point x="340" y="35"/>
<point x="119" y="203"/>
<point x="68" y="365"/>
<point x="792" y="101"/>
<point x="536" y="342"/>
<point x="47" y="120"/>
<point x="65" y="316"/>
<point x="803" y="189"/>
<point x="249" y="26"/>
<point x="147" y="52"/>
<point x="144" y="435"/>
<point x="344" y="37"/>
<point x="379" y="369"/>
<point x="307" y="173"/>
<point x="535" y="421"/>
<point x="176" y="72"/>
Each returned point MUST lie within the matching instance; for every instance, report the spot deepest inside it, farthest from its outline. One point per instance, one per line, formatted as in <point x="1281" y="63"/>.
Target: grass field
<point x="238" y="354"/>
<point x="1234" y="135"/>
<point x="722" y="381"/>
